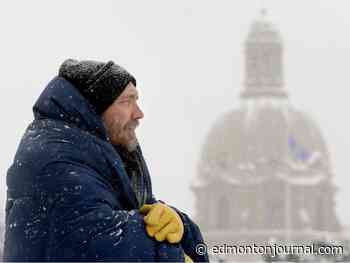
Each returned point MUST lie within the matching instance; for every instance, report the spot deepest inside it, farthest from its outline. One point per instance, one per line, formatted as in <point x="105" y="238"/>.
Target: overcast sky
<point x="187" y="58"/>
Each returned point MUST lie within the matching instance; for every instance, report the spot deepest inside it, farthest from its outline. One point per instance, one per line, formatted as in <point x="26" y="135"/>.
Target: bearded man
<point x="79" y="188"/>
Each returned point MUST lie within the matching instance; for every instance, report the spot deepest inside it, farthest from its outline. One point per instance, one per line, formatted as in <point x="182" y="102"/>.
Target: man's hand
<point x="162" y="222"/>
<point x="188" y="259"/>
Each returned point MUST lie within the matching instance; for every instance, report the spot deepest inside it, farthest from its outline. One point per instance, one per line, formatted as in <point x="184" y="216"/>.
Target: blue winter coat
<point x="69" y="197"/>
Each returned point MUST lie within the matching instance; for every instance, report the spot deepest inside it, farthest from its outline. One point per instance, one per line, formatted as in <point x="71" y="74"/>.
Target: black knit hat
<point x="100" y="83"/>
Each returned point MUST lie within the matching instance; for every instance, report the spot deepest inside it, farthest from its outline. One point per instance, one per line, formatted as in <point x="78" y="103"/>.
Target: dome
<point x="264" y="169"/>
<point x="263" y="139"/>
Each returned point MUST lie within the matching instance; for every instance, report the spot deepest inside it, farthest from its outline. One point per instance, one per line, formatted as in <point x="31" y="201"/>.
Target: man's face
<point x="122" y="117"/>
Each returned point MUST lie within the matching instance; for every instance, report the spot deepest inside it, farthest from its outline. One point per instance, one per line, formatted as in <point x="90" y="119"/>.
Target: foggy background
<point x="187" y="57"/>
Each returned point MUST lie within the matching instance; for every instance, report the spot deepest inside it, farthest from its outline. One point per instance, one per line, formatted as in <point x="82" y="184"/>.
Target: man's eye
<point x="127" y="102"/>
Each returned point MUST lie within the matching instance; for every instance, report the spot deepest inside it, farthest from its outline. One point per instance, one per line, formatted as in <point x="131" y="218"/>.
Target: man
<point x="79" y="188"/>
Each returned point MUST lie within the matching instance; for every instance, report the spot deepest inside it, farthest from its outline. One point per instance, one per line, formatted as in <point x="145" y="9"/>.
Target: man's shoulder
<point x="48" y="141"/>
<point x="56" y="134"/>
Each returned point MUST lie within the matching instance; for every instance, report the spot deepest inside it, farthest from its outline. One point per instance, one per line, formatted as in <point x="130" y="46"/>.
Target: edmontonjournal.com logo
<point x="274" y="249"/>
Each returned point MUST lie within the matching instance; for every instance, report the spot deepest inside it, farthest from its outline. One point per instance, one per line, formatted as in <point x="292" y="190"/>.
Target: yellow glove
<point x="162" y="222"/>
<point x="188" y="259"/>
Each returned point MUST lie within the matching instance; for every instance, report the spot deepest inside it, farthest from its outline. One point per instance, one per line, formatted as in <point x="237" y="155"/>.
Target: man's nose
<point x="138" y="114"/>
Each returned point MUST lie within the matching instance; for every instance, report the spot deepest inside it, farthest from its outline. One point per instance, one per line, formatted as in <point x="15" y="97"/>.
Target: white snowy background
<point x="188" y="60"/>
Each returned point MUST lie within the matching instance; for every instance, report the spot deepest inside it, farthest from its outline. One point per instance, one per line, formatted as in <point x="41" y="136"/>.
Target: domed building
<point x="264" y="172"/>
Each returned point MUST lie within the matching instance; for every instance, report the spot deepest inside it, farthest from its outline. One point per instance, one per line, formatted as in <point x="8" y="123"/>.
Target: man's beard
<point x="130" y="128"/>
<point x="125" y="135"/>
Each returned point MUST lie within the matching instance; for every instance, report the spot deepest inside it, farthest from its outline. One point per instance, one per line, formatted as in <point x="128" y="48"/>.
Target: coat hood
<point x="61" y="101"/>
